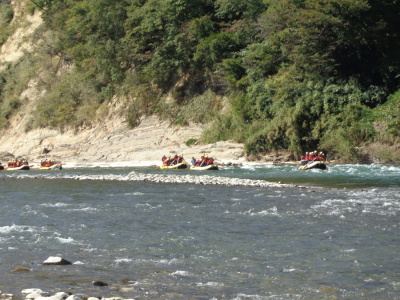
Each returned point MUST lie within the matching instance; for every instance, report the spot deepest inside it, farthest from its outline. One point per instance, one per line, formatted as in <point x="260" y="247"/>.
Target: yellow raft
<point x="181" y="165"/>
<point x="204" y="168"/>
<point x="52" y="167"/>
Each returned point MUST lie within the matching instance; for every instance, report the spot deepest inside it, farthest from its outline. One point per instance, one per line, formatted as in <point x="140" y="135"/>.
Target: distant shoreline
<point x="69" y="164"/>
<point x="127" y="164"/>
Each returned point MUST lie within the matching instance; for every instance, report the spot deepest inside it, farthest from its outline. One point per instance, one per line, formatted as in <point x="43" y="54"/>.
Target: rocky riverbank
<point x="38" y="294"/>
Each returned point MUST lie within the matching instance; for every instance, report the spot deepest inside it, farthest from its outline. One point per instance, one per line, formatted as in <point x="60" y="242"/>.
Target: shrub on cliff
<point x="6" y="15"/>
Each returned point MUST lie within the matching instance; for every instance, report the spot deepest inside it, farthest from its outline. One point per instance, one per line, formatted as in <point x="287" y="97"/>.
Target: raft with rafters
<point x="19" y="168"/>
<point x="57" y="166"/>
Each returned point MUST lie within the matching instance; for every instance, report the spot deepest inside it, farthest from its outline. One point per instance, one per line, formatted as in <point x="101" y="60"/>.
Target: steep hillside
<point x="133" y="80"/>
<point x="108" y="141"/>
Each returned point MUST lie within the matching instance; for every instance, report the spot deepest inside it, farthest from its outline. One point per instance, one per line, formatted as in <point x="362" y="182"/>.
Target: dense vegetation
<point x="299" y="74"/>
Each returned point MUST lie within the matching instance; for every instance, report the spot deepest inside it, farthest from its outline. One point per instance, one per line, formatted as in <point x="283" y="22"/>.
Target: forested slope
<point x="297" y="74"/>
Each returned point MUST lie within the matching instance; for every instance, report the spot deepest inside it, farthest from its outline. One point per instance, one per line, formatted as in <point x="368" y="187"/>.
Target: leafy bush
<point x="226" y="127"/>
<point x="6" y="16"/>
<point x="216" y="47"/>
<point x="347" y="132"/>
<point x="200" y="109"/>
<point x="13" y="81"/>
<point x="6" y="13"/>
<point x="388" y="115"/>
<point x="191" y="142"/>
<point x="70" y="103"/>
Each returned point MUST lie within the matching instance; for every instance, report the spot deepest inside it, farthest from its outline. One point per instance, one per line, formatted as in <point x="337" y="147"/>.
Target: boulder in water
<point x="55" y="260"/>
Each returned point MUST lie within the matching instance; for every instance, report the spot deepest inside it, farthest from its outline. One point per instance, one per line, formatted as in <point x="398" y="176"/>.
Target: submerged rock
<point x="99" y="283"/>
<point x="21" y="269"/>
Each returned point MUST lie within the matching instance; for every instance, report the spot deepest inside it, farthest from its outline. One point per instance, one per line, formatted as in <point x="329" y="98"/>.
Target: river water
<point x="334" y="234"/>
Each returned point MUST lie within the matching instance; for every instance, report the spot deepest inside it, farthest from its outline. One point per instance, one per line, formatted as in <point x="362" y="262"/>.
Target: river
<point x="322" y="234"/>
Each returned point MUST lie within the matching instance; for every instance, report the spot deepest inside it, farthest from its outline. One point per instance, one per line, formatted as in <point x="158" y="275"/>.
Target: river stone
<point x="6" y="296"/>
<point x="30" y="291"/>
<point x="32" y="294"/>
<point x="54" y="260"/>
<point x="74" y="297"/>
<point x="57" y="296"/>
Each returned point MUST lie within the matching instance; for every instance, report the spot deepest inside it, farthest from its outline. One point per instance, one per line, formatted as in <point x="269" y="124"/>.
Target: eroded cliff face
<point x="112" y="141"/>
<point x="21" y="41"/>
<point x="108" y="141"/>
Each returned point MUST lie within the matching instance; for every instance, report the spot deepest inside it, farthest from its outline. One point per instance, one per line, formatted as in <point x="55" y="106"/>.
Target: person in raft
<point x="313" y="156"/>
<point x="172" y="161"/>
<point x="17" y="163"/>
<point x="203" y="161"/>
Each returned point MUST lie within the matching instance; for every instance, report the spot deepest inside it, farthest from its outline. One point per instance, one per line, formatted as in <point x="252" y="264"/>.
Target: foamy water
<point x="322" y="235"/>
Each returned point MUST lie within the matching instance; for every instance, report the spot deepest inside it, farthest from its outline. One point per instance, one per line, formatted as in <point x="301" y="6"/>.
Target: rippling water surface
<point x="333" y="236"/>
